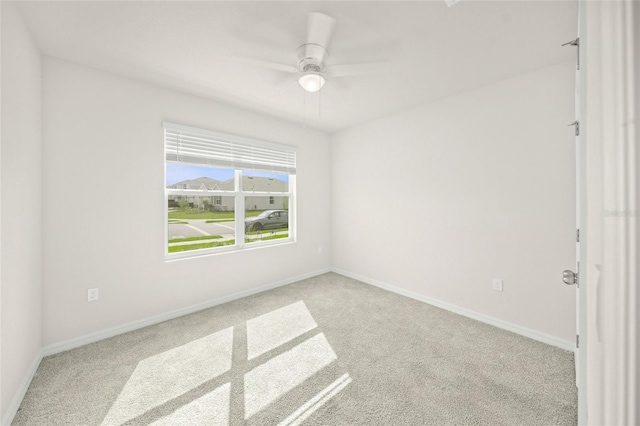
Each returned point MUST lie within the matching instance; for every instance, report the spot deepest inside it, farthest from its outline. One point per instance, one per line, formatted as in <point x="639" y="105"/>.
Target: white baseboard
<point x="505" y="325"/>
<point x="104" y="334"/>
<point x="22" y="390"/>
<point x="135" y="325"/>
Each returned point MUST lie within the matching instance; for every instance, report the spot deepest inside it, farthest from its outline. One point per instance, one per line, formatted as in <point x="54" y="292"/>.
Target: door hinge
<point x="577" y="341"/>
<point x="576" y="43"/>
<point x="577" y="235"/>
<point x="577" y="124"/>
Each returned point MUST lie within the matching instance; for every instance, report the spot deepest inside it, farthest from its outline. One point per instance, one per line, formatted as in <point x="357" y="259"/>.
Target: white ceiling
<point x="434" y="51"/>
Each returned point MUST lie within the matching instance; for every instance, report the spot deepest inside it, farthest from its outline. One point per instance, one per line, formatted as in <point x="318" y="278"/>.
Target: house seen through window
<point x="225" y="192"/>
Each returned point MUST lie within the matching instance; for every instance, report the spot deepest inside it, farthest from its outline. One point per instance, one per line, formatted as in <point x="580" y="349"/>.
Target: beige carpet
<point x="324" y="351"/>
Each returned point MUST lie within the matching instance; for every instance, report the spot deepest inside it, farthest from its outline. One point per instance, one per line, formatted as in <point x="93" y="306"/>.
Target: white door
<point x="581" y="232"/>
<point x="577" y="278"/>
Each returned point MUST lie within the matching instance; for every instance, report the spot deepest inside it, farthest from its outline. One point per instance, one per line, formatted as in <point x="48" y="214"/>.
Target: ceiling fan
<point x="310" y="64"/>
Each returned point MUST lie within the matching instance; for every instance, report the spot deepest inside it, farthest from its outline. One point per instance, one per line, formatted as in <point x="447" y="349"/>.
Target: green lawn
<point x="204" y="237"/>
<point x="266" y="231"/>
<point x="201" y="243"/>
<point x="175" y="249"/>
<point x="215" y="216"/>
<point x="270" y="237"/>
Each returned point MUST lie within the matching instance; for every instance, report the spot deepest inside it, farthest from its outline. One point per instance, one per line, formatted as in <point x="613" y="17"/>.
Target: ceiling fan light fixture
<point x="311" y="81"/>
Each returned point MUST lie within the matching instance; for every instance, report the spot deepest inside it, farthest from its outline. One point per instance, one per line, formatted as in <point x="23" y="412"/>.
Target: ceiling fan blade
<point x="339" y="86"/>
<point x="265" y="64"/>
<point x="319" y="30"/>
<point x="367" y="68"/>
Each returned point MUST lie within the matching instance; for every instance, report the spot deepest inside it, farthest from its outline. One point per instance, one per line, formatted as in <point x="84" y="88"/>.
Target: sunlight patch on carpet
<point x="276" y="328"/>
<point x="163" y="381"/>
<point x="163" y="377"/>
<point x="269" y="381"/>
<point x="211" y="409"/>
<point x="308" y="408"/>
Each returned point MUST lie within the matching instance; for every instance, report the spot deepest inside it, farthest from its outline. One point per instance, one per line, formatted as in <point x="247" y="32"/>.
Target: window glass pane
<point x="264" y="182"/>
<point x="265" y="222"/>
<point x="196" y="222"/>
<point x="186" y="176"/>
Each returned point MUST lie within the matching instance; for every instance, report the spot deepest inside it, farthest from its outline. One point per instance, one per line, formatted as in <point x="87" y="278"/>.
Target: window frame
<point x="240" y="195"/>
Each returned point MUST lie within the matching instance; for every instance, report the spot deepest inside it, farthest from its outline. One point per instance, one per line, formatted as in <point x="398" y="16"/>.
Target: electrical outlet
<point x="497" y="284"/>
<point x="92" y="295"/>
<point x="319" y="249"/>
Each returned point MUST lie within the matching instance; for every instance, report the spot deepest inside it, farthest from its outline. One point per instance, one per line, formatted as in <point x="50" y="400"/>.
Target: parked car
<point x="268" y="219"/>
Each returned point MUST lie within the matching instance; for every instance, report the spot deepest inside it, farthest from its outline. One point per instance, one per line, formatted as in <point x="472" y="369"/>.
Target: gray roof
<point x="199" y="183"/>
<point x="263" y="184"/>
<point x="249" y="183"/>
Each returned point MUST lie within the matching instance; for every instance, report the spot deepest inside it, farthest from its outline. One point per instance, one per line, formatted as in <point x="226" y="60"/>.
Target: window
<point x="225" y="192"/>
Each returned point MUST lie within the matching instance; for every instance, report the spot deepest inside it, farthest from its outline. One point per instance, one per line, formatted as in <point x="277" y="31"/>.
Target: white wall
<point x="441" y="199"/>
<point x="104" y="203"/>
<point x="21" y="190"/>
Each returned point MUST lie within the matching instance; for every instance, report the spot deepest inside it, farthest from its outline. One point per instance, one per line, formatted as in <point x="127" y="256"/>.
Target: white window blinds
<point x="189" y="145"/>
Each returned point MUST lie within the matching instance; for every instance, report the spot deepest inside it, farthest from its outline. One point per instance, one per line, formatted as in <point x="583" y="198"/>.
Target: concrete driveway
<point x="200" y="227"/>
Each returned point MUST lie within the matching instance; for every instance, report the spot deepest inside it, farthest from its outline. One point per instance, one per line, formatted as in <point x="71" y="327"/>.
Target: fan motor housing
<point x="310" y="57"/>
